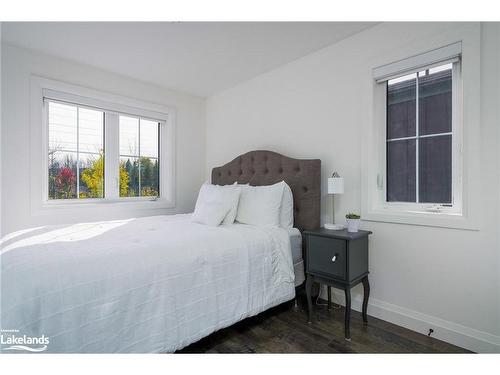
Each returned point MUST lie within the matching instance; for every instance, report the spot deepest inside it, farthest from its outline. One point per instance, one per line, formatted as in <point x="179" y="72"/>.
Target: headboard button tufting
<point x="266" y="167"/>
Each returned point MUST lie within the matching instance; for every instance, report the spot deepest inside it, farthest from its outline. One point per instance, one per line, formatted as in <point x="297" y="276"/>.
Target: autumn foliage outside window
<point x="76" y="155"/>
<point x="76" y="152"/>
<point x="139" y="157"/>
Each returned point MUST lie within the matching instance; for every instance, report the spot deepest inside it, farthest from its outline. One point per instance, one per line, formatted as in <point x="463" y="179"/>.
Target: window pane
<point x="401" y="171"/>
<point x="149" y="177"/>
<point x="129" y="136"/>
<point x="62" y="127"/>
<point x="149" y="138"/>
<point x="91" y="176"/>
<point x="73" y="133"/>
<point x="62" y="175"/>
<point x="91" y="130"/>
<point x="434" y="101"/>
<point x="139" y="166"/>
<point x="129" y="177"/>
<point x="401" y="104"/>
<point x="435" y="163"/>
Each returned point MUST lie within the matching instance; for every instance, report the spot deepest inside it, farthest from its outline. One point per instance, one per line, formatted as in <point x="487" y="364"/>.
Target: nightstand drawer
<point x="327" y="256"/>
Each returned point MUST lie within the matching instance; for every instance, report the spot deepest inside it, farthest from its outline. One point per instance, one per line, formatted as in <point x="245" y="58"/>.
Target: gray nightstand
<point x="340" y="259"/>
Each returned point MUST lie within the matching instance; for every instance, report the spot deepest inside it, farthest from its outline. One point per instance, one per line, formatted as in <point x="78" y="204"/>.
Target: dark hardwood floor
<point x="284" y="329"/>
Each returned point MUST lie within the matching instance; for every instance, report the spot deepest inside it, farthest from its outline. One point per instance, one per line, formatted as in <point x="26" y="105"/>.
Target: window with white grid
<point x="98" y="153"/>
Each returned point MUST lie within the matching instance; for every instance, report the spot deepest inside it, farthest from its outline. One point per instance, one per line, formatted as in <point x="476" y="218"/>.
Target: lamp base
<point x="334" y="226"/>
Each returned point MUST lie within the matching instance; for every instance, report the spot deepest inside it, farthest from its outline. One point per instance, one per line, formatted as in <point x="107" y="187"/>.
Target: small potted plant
<point x="353" y="222"/>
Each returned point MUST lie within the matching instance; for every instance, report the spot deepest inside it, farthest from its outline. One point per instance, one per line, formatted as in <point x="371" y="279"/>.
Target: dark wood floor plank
<point x="284" y="329"/>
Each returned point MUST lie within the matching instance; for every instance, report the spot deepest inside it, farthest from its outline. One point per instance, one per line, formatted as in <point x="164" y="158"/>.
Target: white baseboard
<point x="456" y="334"/>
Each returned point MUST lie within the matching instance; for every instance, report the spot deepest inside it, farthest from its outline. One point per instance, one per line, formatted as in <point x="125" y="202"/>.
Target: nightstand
<point x="340" y="259"/>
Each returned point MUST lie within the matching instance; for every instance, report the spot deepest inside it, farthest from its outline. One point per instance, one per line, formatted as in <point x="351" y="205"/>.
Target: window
<point x="419" y="137"/>
<point x="139" y="157"/>
<point x="76" y="152"/>
<point x="99" y="151"/>
<point x="419" y="107"/>
<point x="420" y="164"/>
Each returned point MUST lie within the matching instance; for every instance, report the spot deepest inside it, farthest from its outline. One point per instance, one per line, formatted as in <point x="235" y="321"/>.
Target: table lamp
<point x="335" y="186"/>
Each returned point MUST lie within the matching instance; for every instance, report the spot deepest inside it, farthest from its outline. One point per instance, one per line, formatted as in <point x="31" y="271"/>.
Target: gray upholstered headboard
<point x="266" y="168"/>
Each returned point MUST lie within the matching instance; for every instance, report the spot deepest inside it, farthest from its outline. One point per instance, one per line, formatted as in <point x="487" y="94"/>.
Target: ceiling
<point x="197" y="58"/>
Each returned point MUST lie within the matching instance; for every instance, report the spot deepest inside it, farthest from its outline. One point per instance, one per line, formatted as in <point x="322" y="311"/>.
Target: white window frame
<point x="373" y="195"/>
<point x="44" y="90"/>
<point x="457" y="164"/>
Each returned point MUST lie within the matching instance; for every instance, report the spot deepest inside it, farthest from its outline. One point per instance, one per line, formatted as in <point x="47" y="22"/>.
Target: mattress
<point x="145" y="285"/>
<point x="298" y="262"/>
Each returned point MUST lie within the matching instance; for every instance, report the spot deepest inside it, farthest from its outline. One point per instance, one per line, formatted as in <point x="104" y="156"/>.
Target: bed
<point x="155" y="284"/>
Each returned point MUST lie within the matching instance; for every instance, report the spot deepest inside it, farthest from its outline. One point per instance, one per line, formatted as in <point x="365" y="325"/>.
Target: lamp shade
<point x="336" y="185"/>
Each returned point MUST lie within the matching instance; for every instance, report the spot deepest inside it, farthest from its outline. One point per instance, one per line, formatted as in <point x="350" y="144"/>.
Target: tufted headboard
<point x="266" y="168"/>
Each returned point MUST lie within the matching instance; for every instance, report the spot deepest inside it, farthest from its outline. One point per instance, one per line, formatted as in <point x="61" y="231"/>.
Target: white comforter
<point x="153" y="284"/>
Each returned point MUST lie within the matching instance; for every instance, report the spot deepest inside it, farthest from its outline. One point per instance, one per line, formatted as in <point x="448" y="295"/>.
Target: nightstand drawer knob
<point x="334" y="258"/>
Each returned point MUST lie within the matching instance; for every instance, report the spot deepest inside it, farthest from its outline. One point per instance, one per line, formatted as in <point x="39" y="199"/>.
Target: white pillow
<point x="286" y="214"/>
<point x="286" y="211"/>
<point x="260" y="205"/>
<point x="228" y="195"/>
<point x="210" y="213"/>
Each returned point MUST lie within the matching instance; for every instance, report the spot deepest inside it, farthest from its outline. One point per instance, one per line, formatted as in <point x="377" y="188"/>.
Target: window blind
<point x="64" y="97"/>
<point x="444" y="55"/>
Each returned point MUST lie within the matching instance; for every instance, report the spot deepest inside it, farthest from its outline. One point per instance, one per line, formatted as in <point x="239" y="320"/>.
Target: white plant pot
<point x="353" y="225"/>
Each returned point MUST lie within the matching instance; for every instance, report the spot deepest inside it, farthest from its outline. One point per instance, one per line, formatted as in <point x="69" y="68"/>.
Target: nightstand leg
<point x="309" y="284"/>
<point x="329" y="297"/>
<point x="347" y="316"/>
<point x="366" y="295"/>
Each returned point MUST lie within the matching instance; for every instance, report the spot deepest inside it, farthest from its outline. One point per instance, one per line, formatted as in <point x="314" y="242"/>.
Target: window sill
<point x="128" y="203"/>
<point x="422" y="218"/>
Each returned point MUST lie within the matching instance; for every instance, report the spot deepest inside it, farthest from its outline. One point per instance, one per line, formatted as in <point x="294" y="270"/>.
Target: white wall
<point x="1" y="231"/>
<point x="17" y="67"/>
<point x="422" y="277"/>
